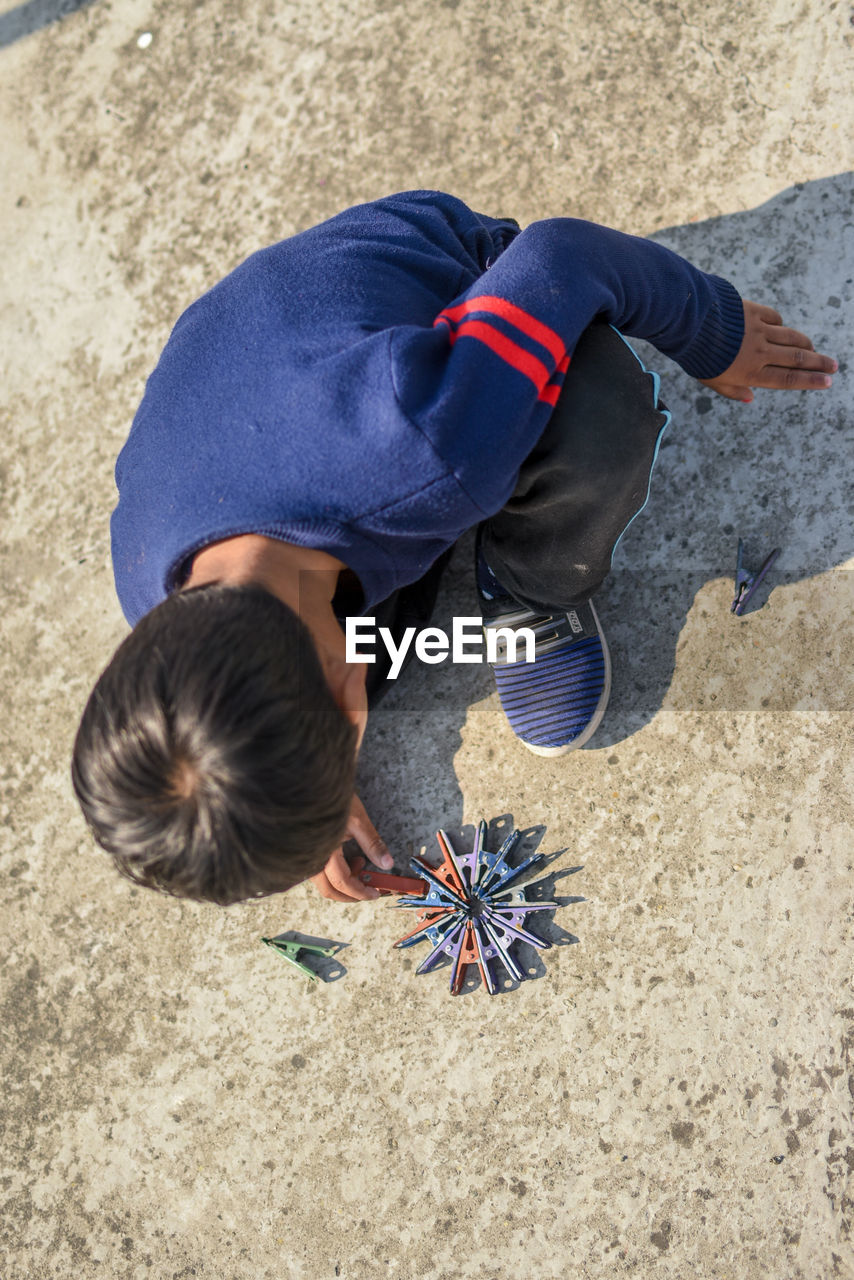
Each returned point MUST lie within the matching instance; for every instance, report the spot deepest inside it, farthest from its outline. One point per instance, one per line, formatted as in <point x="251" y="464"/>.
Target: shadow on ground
<point x="772" y="472"/>
<point x="27" y="18"/>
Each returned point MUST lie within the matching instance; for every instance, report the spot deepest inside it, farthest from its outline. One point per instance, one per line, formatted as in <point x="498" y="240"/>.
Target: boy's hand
<point x="336" y="880"/>
<point x="771" y="355"/>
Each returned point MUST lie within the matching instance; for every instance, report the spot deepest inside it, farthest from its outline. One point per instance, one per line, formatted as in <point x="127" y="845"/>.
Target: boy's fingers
<point x="780" y="336"/>
<point x="756" y="311"/>
<point x="336" y="881"/>
<point x="363" y="831"/>
<point x="800" y="358"/>
<point x="325" y="889"/>
<point x="778" y="378"/>
<point x="774" y="356"/>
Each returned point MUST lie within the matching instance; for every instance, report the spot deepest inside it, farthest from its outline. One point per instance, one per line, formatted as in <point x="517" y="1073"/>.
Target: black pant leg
<point x="588" y="477"/>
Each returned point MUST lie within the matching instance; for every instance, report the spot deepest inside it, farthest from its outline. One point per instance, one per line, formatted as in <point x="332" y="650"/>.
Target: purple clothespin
<point x="747" y="583"/>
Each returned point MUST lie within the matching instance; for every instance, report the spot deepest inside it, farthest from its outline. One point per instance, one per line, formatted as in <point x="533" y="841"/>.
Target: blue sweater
<point x="371" y="386"/>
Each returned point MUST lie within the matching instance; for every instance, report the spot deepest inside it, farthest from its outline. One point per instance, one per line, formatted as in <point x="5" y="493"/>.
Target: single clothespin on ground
<point x="289" y="950"/>
<point x="746" y="583"/>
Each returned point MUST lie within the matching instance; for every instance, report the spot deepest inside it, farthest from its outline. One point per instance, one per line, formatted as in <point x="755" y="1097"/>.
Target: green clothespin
<point x="289" y="950"/>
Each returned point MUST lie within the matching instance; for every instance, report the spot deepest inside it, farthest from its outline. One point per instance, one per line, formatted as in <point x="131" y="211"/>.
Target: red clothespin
<point x="385" y="884"/>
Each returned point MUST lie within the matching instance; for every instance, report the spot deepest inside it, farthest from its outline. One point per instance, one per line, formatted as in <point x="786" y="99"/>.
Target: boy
<point x="321" y="428"/>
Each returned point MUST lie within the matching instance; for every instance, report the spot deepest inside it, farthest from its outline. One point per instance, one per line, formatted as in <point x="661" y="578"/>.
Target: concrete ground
<point x="671" y="1094"/>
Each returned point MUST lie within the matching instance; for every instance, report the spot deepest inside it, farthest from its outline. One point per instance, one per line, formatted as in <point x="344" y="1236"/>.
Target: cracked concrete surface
<point x="672" y="1092"/>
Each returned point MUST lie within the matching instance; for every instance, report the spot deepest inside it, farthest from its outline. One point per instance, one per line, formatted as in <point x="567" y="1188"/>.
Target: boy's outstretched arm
<point x="772" y="355"/>
<point x="336" y="880"/>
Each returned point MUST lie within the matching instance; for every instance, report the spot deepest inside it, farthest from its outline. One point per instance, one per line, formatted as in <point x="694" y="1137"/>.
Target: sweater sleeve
<point x="496" y="357"/>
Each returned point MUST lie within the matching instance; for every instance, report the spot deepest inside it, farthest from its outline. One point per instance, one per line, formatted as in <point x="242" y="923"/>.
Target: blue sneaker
<point x="555" y="703"/>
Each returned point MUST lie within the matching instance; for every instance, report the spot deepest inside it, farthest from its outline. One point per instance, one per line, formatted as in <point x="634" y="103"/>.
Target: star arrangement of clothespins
<point x="472" y="908"/>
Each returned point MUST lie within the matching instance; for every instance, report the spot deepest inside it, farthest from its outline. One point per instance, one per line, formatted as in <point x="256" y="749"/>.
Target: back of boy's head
<point x="212" y="760"/>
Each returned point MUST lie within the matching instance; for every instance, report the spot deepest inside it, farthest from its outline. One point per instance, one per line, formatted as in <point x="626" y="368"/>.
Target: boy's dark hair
<point x="212" y="760"/>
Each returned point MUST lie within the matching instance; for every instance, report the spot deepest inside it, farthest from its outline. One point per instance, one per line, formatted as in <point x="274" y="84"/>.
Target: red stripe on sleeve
<point x="551" y="393"/>
<point x="510" y="352"/>
<point x="530" y="326"/>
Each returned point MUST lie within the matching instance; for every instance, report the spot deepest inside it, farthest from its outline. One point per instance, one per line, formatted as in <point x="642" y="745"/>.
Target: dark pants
<point x="578" y="490"/>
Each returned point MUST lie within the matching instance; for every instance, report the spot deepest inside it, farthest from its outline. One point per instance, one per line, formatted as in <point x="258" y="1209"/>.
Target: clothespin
<point x="474" y="911"/>
<point x="289" y="949"/>
<point x="746" y="583"/>
<point x="383" y="883"/>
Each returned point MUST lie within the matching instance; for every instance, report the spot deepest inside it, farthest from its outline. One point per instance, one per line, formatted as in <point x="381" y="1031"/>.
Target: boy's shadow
<point x="406" y="776"/>
<point x="773" y="472"/>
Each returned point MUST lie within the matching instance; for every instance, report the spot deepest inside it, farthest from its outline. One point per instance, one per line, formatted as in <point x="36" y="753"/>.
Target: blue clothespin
<point x="747" y="583"/>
